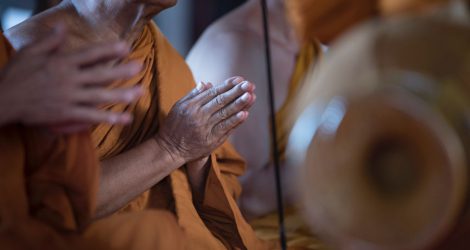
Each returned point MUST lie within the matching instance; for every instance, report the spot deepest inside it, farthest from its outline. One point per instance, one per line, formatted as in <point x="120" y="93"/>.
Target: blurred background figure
<point x="239" y="35"/>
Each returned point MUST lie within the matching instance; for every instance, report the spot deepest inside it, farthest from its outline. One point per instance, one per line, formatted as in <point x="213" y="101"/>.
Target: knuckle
<point x="213" y="92"/>
<point x="223" y="126"/>
<point x="220" y="100"/>
<point x="183" y="106"/>
<point x="223" y="113"/>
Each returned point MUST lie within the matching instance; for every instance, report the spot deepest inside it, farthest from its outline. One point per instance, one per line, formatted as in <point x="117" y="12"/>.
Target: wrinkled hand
<point x="47" y="86"/>
<point x="203" y="120"/>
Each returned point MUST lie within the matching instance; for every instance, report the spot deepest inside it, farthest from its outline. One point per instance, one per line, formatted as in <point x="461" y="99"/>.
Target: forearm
<point x="197" y="175"/>
<point x="126" y="176"/>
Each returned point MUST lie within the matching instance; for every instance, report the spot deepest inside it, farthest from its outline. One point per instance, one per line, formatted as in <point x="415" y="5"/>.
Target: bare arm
<point x="196" y="125"/>
<point x="129" y="174"/>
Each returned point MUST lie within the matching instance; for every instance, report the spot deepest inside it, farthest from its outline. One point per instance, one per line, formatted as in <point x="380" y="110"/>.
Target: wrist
<point x="172" y="153"/>
<point x="197" y="174"/>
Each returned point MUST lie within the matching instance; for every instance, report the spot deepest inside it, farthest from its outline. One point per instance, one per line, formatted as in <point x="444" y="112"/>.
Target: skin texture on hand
<point x="203" y="120"/>
<point x="43" y="85"/>
<point x="127" y="175"/>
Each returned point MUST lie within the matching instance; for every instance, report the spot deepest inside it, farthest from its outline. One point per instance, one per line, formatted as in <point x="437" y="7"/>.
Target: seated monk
<point x="48" y="181"/>
<point x="168" y="158"/>
<point x="239" y="35"/>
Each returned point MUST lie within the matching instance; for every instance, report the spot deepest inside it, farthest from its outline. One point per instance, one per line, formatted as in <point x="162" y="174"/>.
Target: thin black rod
<point x="275" y="146"/>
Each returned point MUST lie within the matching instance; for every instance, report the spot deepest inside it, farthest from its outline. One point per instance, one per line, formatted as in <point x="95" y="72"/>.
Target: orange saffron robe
<point x="48" y="186"/>
<point x="48" y="183"/>
<point x="216" y="223"/>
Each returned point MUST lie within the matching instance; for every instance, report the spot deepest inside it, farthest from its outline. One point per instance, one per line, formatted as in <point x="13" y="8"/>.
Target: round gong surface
<point x="386" y="176"/>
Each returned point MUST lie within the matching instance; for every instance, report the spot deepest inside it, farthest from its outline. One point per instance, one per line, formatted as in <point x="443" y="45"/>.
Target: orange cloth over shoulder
<point x="48" y="183"/>
<point x="327" y="19"/>
<point x="48" y="188"/>
<point x="217" y="222"/>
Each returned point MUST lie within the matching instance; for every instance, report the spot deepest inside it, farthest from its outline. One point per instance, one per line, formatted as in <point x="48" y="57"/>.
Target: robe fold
<point x="48" y="186"/>
<point x="215" y="223"/>
<point x="48" y="183"/>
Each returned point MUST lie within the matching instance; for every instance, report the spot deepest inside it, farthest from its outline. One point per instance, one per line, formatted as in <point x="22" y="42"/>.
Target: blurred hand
<point x="203" y="120"/>
<point x="46" y="86"/>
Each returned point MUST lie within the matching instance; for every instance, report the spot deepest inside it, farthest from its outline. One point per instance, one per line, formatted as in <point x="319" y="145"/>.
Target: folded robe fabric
<point x="216" y="223"/>
<point x="48" y="186"/>
<point x="48" y="183"/>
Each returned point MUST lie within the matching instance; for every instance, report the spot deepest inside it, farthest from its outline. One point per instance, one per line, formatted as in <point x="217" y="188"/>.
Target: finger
<point x="222" y="100"/>
<point x="99" y="53"/>
<point x="99" y="96"/>
<point x="200" y="87"/>
<point x="224" y="127"/>
<point x="105" y="75"/>
<point x="94" y="116"/>
<point x="211" y="93"/>
<point x="238" y="105"/>
<point x="48" y="44"/>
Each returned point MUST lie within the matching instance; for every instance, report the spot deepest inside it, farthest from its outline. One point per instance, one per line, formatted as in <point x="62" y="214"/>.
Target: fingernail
<point x="246" y="97"/>
<point x="242" y="114"/>
<point x="209" y="85"/>
<point x="138" y="90"/>
<point x="121" y="46"/>
<point x="246" y="86"/>
<point x="131" y="96"/>
<point x="200" y="86"/>
<point x="112" y="119"/>
<point x="135" y="68"/>
<point x="238" y="80"/>
<point x="126" y="118"/>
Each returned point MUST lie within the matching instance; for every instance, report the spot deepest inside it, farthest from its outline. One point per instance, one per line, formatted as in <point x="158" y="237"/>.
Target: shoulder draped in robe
<point x="48" y="186"/>
<point x="216" y="223"/>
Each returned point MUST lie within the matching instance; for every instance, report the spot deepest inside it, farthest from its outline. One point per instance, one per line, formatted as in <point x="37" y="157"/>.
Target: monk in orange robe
<point x="168" y="158"/>
<point x="48" y="182"/>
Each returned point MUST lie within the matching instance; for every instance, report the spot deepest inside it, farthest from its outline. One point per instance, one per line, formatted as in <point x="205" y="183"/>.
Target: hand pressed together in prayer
<point x="43" y="85"/>
<point x="202" y="121"/>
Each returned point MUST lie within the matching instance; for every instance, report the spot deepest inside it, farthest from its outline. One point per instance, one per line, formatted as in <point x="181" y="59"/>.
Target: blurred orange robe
<point x="215" y="223"/>
<point x="48" y="187"/>
<point x="48" y="184"/>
